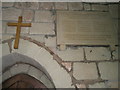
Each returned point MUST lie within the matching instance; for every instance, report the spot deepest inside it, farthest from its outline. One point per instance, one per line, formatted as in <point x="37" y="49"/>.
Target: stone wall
<point x="86" y="66"/>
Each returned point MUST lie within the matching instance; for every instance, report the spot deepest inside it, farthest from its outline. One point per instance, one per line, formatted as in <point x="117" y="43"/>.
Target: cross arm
<point x="12" y="24"/>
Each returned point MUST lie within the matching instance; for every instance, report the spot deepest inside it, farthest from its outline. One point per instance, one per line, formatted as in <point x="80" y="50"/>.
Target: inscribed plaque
<point x="85" y="28"/>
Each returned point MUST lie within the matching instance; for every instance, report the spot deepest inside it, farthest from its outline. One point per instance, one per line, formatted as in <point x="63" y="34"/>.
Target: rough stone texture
<point x="81" y="86"/>
<point x="46" y="5"/>
<point x="11" y="14"/>
<point x="12" y="30"/>
<point x="6" y="75"/>
<point x="87" y="6"/>
<point x="7" y="4"/>
<point x="109" y="70"/>
<point x="97" y="53"/>
<point x="113" y="9"/>
<point x="115" y="54"/>
<point x="44" y="16"/>
<point x="28" y="15"/>
<point x="97" y="85"/>
<point x="112" y="84"/>
<point x="26" y="5"/>
<point x="50" y="42"/>
<point x="5" y="37"/>
<point x="19" y="68"/>
<point x="4" y="25"/>
<point x="40" y="38"/>
<point x="83" y="71"/>
<point x="71" y="55"/>
<point x="61" y="5"/>
<point x="42" y="28"/>
<point x="35" y="72"/>
<point x="5" y="49"/>
<point x="75" y="6"/>
<point x="99" y="7"/>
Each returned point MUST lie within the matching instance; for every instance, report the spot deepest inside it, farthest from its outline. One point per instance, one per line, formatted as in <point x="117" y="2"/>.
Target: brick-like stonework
<point x="97" y="53"/>
<point x="28" y="15"/>
<point x="12" y="30"/>
<point x="11" y="14"/>
<point x="46" y="5"/>
<point x="61" y="5"/>
<point x="87" y="6"/>
<point x="50" y="42"/>
<point x="83" y="71"/>
<point x="42" y="28"/>
<point x="72" y="55"/>
<point x="7" y="4"/>
<point x="75" y="6"/>
<point x="81" y="67"/>
<point x="44" y="16"/>
<point x="26" y="5"/>
<point x="100" y="7"/>
<point x="109" y="70"/>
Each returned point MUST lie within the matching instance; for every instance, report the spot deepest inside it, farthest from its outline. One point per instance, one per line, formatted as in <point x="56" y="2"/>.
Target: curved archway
<point x="44" y="56"/>
<point x="14" y="64"/>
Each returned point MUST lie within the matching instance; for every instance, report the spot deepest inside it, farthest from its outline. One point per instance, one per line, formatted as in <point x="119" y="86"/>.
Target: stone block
<point x="113" y="9"/>
<point x="44" y="16"/>
<point x="46" y="5"/>
<point x="7" y="4"/>
<point x="6" y="75"/>
<point x="83" y="71"/>
<point x="75" y="6"/>
<point x="115" y="54"/>
<point x="6" y="36"/>
<point x="19" y="68"/>
<point x="50" y="42"/>
<point x="99" y="7"/>
<point x="42" y="28"/>
<point x="61" y="5"/>
<point x="97" y="85"/>
<point x="71" y="55"/>
<point x="109" y="70"/>
<point x="5" y="49"/>
<point x="27" y="5"/>
<point x="97" y="53"/>
<point x="35" y="72"/>
<point x="87" y="6"/>
<point x="40" y="38"/>
<point x="28" y="15"/>
<point x="112" y="84"/>
<point x="11" y="14"/>
<point x="12" y="30"/>
<point x="81" y="86"/>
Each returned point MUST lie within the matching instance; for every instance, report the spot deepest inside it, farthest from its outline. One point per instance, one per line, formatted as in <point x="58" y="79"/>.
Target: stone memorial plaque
<point x="85" y="28"/>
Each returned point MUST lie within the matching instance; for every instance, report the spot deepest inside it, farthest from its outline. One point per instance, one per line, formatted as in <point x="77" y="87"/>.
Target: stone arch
<point x="47" y="58"/>
<point x="14" y="64"/>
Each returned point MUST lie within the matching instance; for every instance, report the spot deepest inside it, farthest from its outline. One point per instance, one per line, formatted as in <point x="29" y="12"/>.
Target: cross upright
<point x="18" y="30"/>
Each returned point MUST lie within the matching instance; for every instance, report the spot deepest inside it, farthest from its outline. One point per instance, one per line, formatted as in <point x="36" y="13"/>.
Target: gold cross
<point x="18" y="30"/>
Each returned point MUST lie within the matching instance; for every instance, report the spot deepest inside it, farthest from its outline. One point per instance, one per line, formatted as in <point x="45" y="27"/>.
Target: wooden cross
<point x="18" y="30"/>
